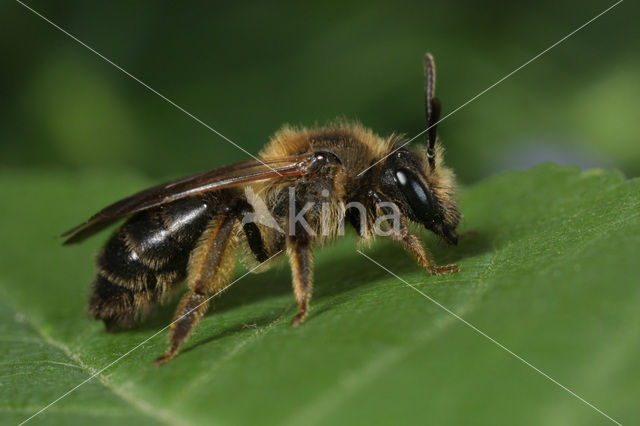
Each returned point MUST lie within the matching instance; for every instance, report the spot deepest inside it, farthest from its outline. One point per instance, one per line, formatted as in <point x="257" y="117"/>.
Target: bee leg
<point x="192" y="307"/>
<point x="411" y="243"/>
<point x="301" y="260"/>
<point x="211" y="267"/>
<point x="467" y="234"/>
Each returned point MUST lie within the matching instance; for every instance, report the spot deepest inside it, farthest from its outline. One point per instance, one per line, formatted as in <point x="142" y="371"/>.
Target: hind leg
<point x="211" y="267"/>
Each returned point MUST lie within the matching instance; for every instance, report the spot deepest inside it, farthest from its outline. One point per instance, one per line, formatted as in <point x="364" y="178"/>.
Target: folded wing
<point x="224" y="177"/>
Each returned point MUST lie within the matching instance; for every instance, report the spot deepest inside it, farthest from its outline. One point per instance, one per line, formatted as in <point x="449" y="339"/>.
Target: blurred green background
<point x="538" y="268"/>
<point x="246" y="68"/>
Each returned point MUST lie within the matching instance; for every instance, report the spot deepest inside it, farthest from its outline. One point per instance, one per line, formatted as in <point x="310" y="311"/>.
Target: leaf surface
<point x="551" y="275"/>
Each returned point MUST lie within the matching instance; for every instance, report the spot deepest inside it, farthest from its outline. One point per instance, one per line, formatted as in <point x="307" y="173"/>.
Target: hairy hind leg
<point x="211" y="267"/>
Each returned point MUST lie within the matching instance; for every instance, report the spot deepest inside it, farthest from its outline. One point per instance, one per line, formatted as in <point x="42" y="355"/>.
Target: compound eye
<point x="415" y="193"/>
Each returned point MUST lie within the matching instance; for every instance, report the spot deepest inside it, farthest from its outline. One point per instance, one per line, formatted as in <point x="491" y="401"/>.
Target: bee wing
<point x="224" y="177"/>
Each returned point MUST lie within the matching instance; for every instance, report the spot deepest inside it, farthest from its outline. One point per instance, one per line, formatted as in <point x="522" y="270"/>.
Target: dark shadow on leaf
<point x="276" y="282"/>
<point x="244" y="327"/>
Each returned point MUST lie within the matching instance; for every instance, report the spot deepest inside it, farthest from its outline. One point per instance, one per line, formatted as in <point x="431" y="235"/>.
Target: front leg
<point x="409" y="241"/>
<point x="413" y="245"/>
<point x="301" y="260"/>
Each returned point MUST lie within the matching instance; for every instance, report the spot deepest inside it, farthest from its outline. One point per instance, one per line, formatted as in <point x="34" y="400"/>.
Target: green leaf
<point x="551" y="275"/>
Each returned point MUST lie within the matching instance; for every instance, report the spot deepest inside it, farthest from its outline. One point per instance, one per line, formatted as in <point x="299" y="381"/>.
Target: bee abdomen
<point x="125" y="263"/>
<point x="145" y="259"/>
<point x="112" y="303"/>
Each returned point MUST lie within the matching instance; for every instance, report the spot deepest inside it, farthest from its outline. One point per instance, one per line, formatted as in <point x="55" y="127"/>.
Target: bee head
<point x="424" y="194"/>
<point x="417" y="180"/>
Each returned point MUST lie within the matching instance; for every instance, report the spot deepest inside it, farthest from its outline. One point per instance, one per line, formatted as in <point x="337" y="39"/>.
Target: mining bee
<point x="306" y="184"/>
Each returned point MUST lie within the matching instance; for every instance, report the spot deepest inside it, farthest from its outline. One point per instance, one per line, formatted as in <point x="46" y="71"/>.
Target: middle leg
<point x="301" y="260"/>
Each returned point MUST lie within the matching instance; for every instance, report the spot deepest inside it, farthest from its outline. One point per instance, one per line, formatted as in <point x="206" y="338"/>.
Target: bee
<point x="192" y="228"/>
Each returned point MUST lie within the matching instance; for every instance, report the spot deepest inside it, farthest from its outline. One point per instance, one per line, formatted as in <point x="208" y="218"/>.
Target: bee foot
<point x="302" y="312"/>
<point x="166" y="357"/>
<point x="467" y="234"/>
<point x="162" y="360"/>
<point x="439" y="270"/>
<point x="297" y="320"/>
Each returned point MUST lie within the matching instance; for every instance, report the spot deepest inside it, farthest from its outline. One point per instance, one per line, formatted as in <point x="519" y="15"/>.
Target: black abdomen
<point x="146" y="257"/>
